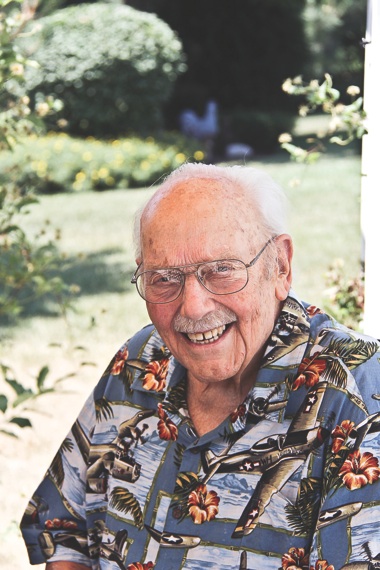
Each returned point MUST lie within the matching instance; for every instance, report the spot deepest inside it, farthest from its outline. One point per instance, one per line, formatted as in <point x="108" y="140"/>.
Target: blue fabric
<point x="289" y="480"/>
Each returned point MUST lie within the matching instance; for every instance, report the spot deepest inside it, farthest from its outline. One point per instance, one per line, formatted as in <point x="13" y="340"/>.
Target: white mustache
<point x="212" y="320"/>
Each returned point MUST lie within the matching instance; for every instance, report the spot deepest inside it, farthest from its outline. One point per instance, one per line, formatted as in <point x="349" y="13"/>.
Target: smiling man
<point x="240" y="429"/>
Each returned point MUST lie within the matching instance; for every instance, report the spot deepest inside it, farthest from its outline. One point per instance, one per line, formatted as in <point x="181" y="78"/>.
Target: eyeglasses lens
<point x="219" y="277"/>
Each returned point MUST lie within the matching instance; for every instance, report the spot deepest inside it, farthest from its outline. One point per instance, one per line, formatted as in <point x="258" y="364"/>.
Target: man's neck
<point x="209" y="404"/>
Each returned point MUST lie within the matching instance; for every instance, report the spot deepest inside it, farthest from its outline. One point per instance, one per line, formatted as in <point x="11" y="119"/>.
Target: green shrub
<point x="60" y="163"/>
<point x="112" y="66"/>
<point x="344" y="296"/>
<point x="258" y="129"/>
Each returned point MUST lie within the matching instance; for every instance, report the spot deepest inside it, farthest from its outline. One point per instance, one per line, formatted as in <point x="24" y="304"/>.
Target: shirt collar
<point x="162" y="373"/>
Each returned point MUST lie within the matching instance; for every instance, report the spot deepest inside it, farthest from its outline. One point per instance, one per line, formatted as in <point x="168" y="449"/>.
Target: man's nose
<point x="196" y="301"/>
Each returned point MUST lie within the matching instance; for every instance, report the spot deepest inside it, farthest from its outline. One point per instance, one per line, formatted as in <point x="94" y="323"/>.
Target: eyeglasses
<point x="219" y="277"/>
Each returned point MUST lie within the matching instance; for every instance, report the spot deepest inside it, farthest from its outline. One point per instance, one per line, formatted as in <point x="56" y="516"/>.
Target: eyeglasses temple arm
<point x="261" y="251"/>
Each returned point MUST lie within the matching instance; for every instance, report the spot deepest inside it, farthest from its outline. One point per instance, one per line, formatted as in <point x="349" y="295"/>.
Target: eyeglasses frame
<point x="136" y="275"/>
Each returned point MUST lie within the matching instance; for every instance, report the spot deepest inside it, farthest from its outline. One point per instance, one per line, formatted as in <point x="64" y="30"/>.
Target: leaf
<point x="304" y="513"/>
<point x="3" y="403"/>
<point x="355" y="352"/>
<point x="12" y="228"/>
<point x="42" y="376"/>
<point x="26" y="395"/>
<point x="185" y="483"/>
<point x="7" y="432"/>
<point x="21" y="422"/>
<point x="17" y="387"/>
<point x="103" y="409"/>
<point x="124" y="501"/>
<point x="334" y="372"/>
<point x="176" y="398"/>
<point x="56" y="469"/>
<point x="178" y="454"/>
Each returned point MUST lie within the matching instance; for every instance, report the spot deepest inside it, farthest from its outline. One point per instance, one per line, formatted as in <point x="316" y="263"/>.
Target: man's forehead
<point x="197" y="194"/>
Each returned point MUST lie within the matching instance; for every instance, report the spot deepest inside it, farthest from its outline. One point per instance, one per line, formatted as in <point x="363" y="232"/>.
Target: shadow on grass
<point x="92" y="274"/>
<point x="100" y="272"/>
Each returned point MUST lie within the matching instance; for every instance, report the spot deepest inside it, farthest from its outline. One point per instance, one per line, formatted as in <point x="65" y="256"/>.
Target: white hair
<point x="267" y="194"/>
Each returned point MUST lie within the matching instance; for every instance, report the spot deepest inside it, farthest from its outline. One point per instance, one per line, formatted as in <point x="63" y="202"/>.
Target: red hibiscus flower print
<point x="120" y="359"/>
<point x="203" y="504"/>
<point x="139" y="566"/>
<point x="322" y="565"/>
<point x="309" y="371"/>
<point x="340" y="434"/>
<point x="358" y="470"/>
<point x="60" y="523"/>
<point x="166" y="428"/>
<point x="155" y="375"/>
<point x="295" y="559"/>
<point x="238" y="413"/>
<point x="312" y="310"/>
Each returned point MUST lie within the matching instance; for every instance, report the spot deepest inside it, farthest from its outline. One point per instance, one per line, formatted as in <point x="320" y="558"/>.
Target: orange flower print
<point x="203" y="504"/>
<point x="322" y="565"/>
<point x="309" y="371"/>
<point x="139" y="566"/>
<point x="238" y="413"/>
<point x="60" y="523"/>
<point x="312" y="310"/>
<point x="155" y="375"/>
<point x="166" y="428"/>
<point x="119" y="362"/>
<point x="358" y="470"/>
<point x="295" y="559"/>
<point x="340" y="433"/>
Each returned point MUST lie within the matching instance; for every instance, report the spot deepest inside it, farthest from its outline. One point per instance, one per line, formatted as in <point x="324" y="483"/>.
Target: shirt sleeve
<point x="348" y="526"/>
<point x="54" y="523"/>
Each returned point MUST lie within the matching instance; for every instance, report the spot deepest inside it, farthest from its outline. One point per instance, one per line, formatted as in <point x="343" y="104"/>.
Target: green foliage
<point x="112" y="66"/>
<point x="334" y="31"/>
<point x="345" y="295"/>
<point x="238" y="57"/>
<point x="16" y="401"/>
<point x="27" y="269"/>
<point x="258" y="129"/>
<point x="347" y="121"/>
<point x="59" y="163"/>
<point x="25" y="266"/>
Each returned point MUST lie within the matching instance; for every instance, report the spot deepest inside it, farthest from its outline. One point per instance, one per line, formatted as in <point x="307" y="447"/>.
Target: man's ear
<point x="284" y="246"/>
<point x="138" y="260"/>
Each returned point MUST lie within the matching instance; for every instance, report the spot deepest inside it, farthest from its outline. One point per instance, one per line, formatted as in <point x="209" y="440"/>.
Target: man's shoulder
<point x="346" y="353"/>
<point x="139" y="340"/>
<point x="325" y="329"/>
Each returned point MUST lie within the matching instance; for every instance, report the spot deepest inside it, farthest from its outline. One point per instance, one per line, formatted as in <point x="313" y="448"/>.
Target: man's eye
<point x="223" y="268"/>
<point x="164" y="278"/>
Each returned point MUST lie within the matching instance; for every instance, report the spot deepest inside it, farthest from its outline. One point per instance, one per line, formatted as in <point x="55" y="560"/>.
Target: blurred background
<point x="98" y="102"/>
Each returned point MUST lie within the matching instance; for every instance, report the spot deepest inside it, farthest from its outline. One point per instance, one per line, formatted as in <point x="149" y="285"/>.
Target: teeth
<point x="207" y="336"/>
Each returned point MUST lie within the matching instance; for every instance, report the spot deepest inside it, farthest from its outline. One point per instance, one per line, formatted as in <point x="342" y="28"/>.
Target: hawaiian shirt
<point x="290" y="480"/>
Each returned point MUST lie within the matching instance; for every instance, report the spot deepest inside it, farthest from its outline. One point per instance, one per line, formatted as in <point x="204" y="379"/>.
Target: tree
<point x="335" y="29"/>
<point x="239" y="57"/>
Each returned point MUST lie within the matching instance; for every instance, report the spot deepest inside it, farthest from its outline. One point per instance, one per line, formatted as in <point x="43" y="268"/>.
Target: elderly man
<point x="240" y="429"/>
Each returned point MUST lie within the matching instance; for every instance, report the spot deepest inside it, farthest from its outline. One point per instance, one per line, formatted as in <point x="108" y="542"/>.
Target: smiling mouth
<point x="206" y="337"/>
